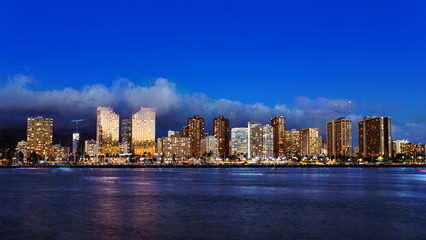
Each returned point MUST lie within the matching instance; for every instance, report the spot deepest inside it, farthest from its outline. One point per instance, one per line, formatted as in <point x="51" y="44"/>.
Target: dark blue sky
<point x="269" y="52"/>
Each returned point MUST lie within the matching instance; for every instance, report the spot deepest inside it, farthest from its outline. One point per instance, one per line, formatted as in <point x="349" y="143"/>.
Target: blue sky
<point x="303" y="55"/>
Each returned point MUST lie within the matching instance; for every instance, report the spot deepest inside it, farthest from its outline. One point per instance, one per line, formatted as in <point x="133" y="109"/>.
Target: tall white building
<point x="239" y="142"/>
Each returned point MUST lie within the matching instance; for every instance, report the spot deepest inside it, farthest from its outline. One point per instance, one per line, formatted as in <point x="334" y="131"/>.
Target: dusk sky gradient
<point x="246" y="60"/>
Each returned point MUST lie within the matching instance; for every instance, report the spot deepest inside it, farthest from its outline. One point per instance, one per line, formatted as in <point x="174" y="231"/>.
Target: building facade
<point x="184" y="132"/>
<point x="21" y="147"/>
<point x="175" y="146"/>
<point x="39" y="136"/>
<point x="90" y="147"/>
<point x="339" y="138"/>
<point x="278" y="126"/>
<point x="400" y="147"/>
<point x="61" y="153"/>
<point x="221" y="132"/>
<point x="171" y="133"/>
<point x="210" y="146"/>
<point x="126" y="135"/>
<point x="310" y="142"/>
<point x="261" y="141"/>
<point x="107" y="132"/>
<point x="75" y="143"/>
<point x="239" y="142"/>
<point x="250" y="127"/>
<point x="143" y="132"/>
<point x="375" y="137"/>
<point x="292" y="143"/>
<point x="196" y="133"/>
<point x="356" y="151"/>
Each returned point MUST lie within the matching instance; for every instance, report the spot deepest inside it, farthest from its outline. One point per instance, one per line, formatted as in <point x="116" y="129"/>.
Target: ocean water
<point x="213" y="203"/>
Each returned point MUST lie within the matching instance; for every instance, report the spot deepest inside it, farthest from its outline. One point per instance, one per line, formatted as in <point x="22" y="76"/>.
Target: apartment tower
<point x="221" y="133"/>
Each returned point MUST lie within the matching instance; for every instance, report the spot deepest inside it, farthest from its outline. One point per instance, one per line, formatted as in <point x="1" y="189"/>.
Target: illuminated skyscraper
<point x="196" y="133"/>
<point x="126" y="134"/>
<point x="339" y="138"/>
<point x="261" y="141"/>
<point x="39" y="136"/>
<point x="221" y="132"/>
<point x="75" y="141"/>
<point x="250" y="126"/>
<point x="375" y="137"/>
<point x="292" y="142"/>
<point x="143" y="132"/>
<point x="310" y="142"/>
<point x="278" y="126"/>
<point x="239" y="142"/>
<point x="107" y="132"/>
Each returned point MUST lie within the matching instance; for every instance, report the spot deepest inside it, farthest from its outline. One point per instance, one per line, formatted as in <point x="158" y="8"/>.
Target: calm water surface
<point x="232" y="203"/>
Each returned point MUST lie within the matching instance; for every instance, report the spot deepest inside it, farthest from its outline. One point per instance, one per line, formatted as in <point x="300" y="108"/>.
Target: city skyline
<point x="281" y="59"/>
<point x="121" y="128"/>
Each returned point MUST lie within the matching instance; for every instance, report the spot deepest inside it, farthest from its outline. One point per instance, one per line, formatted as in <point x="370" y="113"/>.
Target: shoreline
<point x="221" y="166"/>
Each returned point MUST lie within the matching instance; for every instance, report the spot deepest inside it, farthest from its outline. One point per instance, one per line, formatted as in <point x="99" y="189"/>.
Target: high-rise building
<point x="250" y="126"/>
<point x="75" y="141"/>
<point x="126" y="134"/>
<point x="261" y="141"/>
<point x="239" y="142"/>
<point x="375" y="137"/>
<point x="292" y="142"/>
<point x="107" y="132"/>
<point x="400" y="147"/>
<point x="143" y="132"/>
<point x="90" y="147"/>
<point x="210" y="145"/>
<point x="310" y="142"/>
<point x="39" y="136"/>
<point x="196" y="133"/>
<point x="278" y="126"/>
<point x="221" y="132"/>
<point x="175" y="146"/>
<point x="339" y="138"/>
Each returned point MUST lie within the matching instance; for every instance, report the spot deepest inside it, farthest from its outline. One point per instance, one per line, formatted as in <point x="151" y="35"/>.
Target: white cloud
<point x="19" y="100"/>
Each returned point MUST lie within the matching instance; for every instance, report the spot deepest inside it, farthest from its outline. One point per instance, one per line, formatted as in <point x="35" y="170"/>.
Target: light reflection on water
<point x="231" y="203"/>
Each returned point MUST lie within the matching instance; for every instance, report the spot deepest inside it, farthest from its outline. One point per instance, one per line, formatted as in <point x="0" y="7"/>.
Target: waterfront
<point x="212" y="203"/>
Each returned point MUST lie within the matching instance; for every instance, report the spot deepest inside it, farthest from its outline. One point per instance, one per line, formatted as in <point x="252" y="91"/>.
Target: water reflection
<point x="237" y="203"/>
